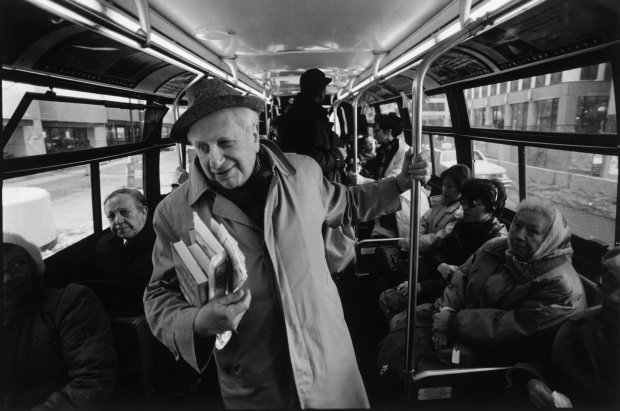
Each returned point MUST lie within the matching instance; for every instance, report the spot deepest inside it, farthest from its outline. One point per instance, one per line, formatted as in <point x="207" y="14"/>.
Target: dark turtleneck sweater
<point x="252" y="196"/>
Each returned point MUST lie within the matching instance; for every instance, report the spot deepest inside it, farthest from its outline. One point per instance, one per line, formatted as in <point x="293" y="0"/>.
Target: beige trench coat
<point x="298" y="202"/>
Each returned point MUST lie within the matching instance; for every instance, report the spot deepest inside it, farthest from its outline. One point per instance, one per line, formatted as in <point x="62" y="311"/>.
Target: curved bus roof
<point x="267" y="44"/>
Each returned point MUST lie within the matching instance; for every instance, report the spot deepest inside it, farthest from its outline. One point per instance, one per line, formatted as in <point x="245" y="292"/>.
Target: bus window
<point x="389" y="108"/>
<point x="444" y="153"/>
<point x="435" y="111"/>
<point x="587" y="201"/>
<point x="53" y="209"/>
<point x="579" y="100"/>
<point x="53" y="123"/>
<point x="498" y="161"/>
<point x="168" y="162"/>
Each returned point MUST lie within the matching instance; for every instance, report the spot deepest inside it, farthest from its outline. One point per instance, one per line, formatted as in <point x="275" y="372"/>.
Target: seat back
<point x="132" y="339"/>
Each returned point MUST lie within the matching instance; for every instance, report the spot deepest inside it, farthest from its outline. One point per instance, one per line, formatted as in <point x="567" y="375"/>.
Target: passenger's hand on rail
<point x="355" y="179"/>
<point x="539" y="394"/>
<point x="419" y="169"/>
<point x="222" y="313"/>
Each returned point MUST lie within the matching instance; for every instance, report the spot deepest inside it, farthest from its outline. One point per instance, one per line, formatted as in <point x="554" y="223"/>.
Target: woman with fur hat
<point x="58" y="349"/>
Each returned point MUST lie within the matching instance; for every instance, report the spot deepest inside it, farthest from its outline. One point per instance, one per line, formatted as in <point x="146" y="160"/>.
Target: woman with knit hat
<point x="58" y="350"/>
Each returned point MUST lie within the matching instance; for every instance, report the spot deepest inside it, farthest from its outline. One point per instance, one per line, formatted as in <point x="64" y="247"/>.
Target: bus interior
<point x="519" y="90"/>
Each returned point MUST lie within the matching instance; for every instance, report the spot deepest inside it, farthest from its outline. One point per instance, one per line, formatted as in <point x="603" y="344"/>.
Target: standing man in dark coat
<point x="123" y="256"/>
<point x="306" y="128"/>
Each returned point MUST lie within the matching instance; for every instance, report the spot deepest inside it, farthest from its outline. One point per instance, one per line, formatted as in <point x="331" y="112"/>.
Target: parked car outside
<point x="482" y="167"/>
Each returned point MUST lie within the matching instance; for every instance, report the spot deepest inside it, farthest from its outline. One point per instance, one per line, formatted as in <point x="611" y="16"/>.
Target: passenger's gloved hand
<point x="446" y="270"/>
<point x="442" y="321"/>
<point x="222" y="313"/>
<point x="539" y="394"/>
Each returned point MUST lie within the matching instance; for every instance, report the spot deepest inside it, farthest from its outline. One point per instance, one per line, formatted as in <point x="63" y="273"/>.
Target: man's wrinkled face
<point x="527" y="233"/>
<point x="226" y="143"/>
<point x="125" y="217"/>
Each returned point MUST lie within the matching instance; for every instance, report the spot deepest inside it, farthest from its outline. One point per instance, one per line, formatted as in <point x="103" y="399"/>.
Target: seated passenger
<point x="584" y="359"/>
<point x="390" y="154"/>
<point x="437" y="222"/>
<point x="483" y="201"/>
<point x="58" y="349"/>
<point x="123" y="256"/>
<point x="506" y="302"/>
<point x="513" y="288"/>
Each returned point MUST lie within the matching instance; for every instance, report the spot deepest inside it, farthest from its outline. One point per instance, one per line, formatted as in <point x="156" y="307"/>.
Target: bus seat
<point x="463" y="387"/>
<point x="365" y="251"/>
<point x="132" y="340"/>
<point x="594" y="295"/>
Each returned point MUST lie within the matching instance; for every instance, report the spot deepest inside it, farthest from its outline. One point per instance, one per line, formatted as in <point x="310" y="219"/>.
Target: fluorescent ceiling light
<point x="361" y="85"/>
<point x="62" y="11"/>
<point x="113" y="15"/>
<point x="183" y="56"/>
<point x="408" y="56"/>
<point x="517" y="11"/>
<point x="488" y="7"/>
<point x="448" y="31"/>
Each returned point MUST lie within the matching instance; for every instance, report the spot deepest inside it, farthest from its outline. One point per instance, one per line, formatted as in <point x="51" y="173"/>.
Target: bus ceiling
<point x="263" y="46"/>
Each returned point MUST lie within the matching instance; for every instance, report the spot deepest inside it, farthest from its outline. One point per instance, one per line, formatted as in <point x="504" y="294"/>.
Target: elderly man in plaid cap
<point x="292" y="348"/>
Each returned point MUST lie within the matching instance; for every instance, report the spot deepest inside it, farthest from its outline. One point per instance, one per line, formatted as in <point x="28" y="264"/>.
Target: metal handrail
<point x="175" y="115"/>
<point x="468" y="30"/>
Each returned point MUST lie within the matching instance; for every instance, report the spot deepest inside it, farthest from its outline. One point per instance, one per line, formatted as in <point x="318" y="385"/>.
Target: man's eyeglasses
<point x="18" y="269"/>
<point x="469" y="203"/>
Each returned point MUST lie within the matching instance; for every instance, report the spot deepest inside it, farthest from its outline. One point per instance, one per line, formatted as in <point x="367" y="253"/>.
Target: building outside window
<point x="591" y="114"/>
<point x="548" y="114"/>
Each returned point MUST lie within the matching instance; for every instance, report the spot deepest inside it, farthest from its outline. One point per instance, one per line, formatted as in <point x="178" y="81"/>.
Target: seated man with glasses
<point x="483" y="201"/>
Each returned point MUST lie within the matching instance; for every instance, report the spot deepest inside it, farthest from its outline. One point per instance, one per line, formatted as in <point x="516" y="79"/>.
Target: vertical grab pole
<point x="417" y="91"/>
<point x="355" y="102"/>
<point x="175" y="116"/>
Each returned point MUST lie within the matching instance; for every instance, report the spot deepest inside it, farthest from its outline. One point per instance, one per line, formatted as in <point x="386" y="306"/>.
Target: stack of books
<point x="210" y="266"/>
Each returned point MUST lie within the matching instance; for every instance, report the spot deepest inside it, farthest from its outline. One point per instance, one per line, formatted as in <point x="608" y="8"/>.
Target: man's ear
<point x="256" y="136"/>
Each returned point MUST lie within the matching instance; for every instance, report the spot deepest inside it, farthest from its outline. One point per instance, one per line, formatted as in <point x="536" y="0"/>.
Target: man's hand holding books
<point x="222" y="313"/>
<point x="211" y="271"/>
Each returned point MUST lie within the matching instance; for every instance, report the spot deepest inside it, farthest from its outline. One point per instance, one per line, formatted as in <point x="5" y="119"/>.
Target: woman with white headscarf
<point x="513" y="293"/>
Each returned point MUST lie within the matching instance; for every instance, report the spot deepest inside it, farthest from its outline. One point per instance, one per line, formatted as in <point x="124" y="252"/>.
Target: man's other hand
<point x="222" y="313"/>
<point x="418" y="169"/>
<point x="343" y="152"/>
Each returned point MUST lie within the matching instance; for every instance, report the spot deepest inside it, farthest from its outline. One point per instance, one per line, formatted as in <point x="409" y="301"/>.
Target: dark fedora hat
<point x="206" y="97"/>
<point x="313" y="79"/>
